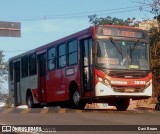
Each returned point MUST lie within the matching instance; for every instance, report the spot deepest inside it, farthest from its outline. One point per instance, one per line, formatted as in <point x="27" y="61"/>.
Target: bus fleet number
<point x="139" y="82"/>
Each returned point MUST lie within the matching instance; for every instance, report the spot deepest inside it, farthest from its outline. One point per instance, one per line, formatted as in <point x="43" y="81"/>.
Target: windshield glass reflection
<point x="122" y="54"/>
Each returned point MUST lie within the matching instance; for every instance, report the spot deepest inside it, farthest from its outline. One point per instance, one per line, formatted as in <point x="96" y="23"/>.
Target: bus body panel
<point x="31" y="84"/>
<point x="103" y="90"/>
<point x="24" y="85"/>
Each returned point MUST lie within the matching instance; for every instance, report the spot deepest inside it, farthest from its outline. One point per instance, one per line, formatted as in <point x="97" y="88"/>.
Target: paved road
<point x="78" y="117"/>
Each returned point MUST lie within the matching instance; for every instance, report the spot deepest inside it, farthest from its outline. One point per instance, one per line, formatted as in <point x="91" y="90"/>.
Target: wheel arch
<point x="73" y="86"/>
<point x="28" y="92"/>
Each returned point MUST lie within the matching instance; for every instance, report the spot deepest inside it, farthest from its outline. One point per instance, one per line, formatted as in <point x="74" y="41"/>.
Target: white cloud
<point x="54" y="26"/>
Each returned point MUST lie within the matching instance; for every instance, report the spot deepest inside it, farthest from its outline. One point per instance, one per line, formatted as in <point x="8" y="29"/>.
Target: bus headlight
<point x="99" y="79"/>
<point x="103" y="80"/>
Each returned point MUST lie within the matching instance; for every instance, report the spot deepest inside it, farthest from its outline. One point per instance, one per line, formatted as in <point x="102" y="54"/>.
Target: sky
<point x="43" y="21"/>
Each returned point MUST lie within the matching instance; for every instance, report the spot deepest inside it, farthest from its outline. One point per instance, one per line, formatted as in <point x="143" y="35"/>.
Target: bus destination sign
<point x="120" y="32"/>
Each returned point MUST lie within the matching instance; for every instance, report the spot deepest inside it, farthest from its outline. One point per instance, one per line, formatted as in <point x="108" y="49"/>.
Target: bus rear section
<point x="23" y="78"/>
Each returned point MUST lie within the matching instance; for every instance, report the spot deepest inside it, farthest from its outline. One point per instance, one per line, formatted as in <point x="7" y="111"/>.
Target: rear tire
<point x="30" y="101"/>
<point x="122" y="104"/>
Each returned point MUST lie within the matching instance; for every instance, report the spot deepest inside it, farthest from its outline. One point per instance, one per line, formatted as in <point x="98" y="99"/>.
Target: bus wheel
<point x="122" y="104"/>
<point x="157" y="107"/>
<point x="30" y="100"/>
<point x="75" y="100"/>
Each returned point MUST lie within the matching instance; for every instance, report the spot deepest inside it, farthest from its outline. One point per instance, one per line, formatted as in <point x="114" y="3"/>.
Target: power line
<point x="85" y="14"/>
<point x="6" y="51"/>
<point x="79" y="16"/>
<point x="98" y="11"/>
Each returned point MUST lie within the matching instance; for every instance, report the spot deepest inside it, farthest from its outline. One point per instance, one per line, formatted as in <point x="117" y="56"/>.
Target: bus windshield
<point x="121" y="54"/>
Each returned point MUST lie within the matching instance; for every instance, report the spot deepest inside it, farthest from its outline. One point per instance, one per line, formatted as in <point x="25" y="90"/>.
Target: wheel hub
<point x="76" y="97"/>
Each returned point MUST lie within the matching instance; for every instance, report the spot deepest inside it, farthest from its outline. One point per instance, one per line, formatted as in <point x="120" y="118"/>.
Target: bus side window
<point x="62" y="55"/>
<point x="143" y="62"/>
<point x="24" y="66"/>
<point x="51" y="58"/>
<point x="86" y="53"/>
<point x="72" y="52"/>
<point x="32" y="64"/>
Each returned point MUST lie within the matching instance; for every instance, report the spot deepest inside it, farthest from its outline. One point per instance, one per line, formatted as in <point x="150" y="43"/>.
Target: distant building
<point x="147" y="24"/>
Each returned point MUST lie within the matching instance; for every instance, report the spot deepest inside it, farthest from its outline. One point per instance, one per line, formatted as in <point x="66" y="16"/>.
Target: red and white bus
<point x="101" y="64"/>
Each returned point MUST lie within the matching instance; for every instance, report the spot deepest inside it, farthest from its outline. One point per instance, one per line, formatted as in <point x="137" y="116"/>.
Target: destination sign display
<point x="120" y="32"/>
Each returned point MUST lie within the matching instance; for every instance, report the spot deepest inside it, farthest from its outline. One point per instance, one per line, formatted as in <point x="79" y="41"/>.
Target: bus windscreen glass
<point x="118" y="54"/>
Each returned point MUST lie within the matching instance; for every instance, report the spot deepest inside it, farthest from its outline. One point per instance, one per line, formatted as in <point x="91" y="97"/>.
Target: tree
<point x="93" y="19"/>
<point x="154" y="35"/>
<point x="3" y="69"/>
<point x="154" y="6"/>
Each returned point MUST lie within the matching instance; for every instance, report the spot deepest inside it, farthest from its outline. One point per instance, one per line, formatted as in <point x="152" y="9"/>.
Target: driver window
<point x="143" y="62"/>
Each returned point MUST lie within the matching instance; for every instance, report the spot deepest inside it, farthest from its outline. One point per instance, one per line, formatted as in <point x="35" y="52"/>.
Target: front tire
<point x="122" y="104"/>
<point x="76" y="103"/>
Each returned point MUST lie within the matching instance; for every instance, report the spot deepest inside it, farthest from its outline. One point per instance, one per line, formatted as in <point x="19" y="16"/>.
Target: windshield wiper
<point x="135" y="44"/>
<point x="119" y="51"/>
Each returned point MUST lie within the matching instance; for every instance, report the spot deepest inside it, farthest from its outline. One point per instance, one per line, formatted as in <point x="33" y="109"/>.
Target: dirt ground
<point x="145" y="104"/>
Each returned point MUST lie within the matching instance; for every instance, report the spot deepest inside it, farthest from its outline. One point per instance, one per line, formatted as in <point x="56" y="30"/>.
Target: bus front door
<point x="17" y="90"/>
<point x="42" y="94"/>
<point x="86" y="67"/>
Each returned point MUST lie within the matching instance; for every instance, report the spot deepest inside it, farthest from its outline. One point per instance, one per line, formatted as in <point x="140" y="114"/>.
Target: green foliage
<point x="154" y="36"/>
<point x="154" y="33"/>
<point x="93" y="19"/>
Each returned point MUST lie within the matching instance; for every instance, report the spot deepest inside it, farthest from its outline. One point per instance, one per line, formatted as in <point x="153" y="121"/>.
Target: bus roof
<point x="23" y="54"/>
<point x="72" y="36"/>
<point x="88" y="30"/>
<point x="69" y="37"/>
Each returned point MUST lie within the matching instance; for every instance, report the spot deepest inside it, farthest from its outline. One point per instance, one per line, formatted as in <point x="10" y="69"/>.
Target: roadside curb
<point x="64" y="110"/>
